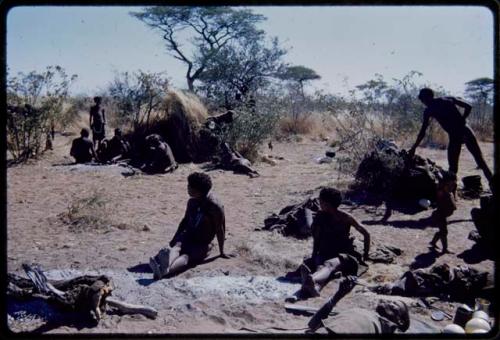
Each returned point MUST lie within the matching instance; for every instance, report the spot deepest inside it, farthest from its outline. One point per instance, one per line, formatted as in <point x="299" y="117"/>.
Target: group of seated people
<point x="333" y="253"/>
<point x="108" y="151"/>
<point x="333" y="256"/>
<point x="158" y="157"/>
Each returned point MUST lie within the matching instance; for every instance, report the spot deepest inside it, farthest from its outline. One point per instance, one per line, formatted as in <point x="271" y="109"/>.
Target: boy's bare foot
<point x="432" y="246"/>
<point x="304" y="272"/>
<point x="155" y="268"/>
<point x="309" y="286"/>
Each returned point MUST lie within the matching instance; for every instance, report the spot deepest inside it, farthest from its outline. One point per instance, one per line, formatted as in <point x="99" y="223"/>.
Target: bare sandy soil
<point x="234" y="295"/>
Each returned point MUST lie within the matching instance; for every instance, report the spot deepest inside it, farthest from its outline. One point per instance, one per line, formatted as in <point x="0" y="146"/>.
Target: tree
<point x="299" y="74"/>
<point x="480" y="91"/>
<point x="240" y="69"/>
<point x="34" y="107"/>
<point x="136" y="95"/>
<point x="211" y="29"/>
<point x="480" y="88"/>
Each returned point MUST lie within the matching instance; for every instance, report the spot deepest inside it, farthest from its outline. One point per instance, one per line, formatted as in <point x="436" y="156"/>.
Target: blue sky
<point x="345" y="45"/>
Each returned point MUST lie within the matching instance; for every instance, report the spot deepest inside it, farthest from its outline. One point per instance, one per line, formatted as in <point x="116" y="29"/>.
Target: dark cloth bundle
<point x="294" y="220"/>
<point x="391" y="172"/>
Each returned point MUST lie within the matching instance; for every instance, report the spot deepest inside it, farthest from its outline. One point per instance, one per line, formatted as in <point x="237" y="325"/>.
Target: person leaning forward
<point x="445" y="111"/>
<point x="204" y="220"/>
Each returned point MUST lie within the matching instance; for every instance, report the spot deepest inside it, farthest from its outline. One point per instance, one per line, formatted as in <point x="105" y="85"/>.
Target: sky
<point x="345" y="45"/>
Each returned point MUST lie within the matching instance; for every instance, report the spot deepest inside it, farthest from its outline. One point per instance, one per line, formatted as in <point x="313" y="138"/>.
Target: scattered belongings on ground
<point x="391" y="172"/>
<point x="460" y="283"/>
<point x="472" y="187"/>
<point x="88" y="295"/>
<point x="294" y="220"/>
<point x="486" y="220"/>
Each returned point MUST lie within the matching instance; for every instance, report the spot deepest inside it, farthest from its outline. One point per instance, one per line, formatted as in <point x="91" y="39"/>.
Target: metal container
<point x="462" y="315"/>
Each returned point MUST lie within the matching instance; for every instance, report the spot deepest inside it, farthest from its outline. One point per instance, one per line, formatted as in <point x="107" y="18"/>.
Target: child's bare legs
<point x="440" y="222"/>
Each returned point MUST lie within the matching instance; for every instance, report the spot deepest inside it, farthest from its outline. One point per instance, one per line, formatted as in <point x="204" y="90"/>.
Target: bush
<point x="34" y="108"/>
<point x="296" y="126"/>
<point x="248" y="131"/>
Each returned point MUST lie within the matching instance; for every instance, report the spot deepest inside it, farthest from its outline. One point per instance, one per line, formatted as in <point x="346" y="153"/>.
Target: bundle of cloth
<point x="294" y="220"/>
<point x="387" y="170"/>
<point x="460" y="283"/>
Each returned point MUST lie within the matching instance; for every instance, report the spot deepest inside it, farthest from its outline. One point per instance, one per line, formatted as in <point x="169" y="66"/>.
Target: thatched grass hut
<point x="180" y="122"/>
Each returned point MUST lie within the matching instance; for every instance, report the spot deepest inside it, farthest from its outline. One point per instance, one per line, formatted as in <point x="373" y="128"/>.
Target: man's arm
<point x="221" y="232"/>
<point x="103" y="117"/>
<point x="345" y="286"/>
<point x="315" y="234"/>
<point x="72" y="150"/>
<point x="182" y="226"/>
<point x="466" y="106"/>
<point x="366" y="236"/>
<point x="421" y="134"/>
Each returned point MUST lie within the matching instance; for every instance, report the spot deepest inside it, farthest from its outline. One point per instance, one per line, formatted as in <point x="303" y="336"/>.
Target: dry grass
<point x="300" y="126"/>
<point x="90" y="214"/>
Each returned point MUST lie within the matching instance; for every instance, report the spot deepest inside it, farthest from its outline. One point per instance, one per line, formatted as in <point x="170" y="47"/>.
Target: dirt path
<point x="142" y="213"/>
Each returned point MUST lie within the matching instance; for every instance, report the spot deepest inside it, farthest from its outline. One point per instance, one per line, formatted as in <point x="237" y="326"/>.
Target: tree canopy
<point x="299" y="74"/>
<point x="210" y="29"/>
<point x="241" y="68"/>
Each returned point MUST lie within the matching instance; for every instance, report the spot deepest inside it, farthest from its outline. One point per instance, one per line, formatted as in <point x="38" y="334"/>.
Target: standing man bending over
<point x="445" y="111"/>
<point x="203" y="221"/>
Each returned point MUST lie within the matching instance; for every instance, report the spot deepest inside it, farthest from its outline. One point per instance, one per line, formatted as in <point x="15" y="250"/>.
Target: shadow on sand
<point x="425" y="260"/>
<point x="476" y="254"/>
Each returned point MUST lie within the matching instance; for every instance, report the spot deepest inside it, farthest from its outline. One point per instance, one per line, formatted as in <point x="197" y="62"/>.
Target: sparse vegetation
<point x="35" y="107"/>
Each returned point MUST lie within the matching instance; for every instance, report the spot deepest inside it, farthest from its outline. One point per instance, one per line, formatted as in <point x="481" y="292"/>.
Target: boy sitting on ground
<point x="203" y="221"/>
<point x="445" y="202"/>
<point x="333" y="249"/>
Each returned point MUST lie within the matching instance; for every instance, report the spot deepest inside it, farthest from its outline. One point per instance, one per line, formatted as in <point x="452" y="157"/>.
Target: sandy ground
<point x="241" y="294"/>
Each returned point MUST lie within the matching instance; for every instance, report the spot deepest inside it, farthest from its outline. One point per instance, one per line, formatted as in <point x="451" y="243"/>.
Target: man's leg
<point x="194" y="254"/>
<point x="454" y="148"/>
<point x="473" y="147"/>
<point x="313" y="283"/>
<point x="179" y="264"/>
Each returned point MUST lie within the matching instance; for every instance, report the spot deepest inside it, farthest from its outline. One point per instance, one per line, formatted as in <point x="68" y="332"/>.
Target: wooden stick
<point x="128" y="308"/>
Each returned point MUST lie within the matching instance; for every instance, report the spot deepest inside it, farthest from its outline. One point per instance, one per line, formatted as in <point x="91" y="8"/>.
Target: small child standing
<point x="445" y="206"/>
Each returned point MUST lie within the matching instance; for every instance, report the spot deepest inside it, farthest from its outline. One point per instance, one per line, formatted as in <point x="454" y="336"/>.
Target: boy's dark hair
<point x="448" y="176"/>
<point x="201" y="182"/>
<point x="84" y="132"/>
<point x="426" y="93"/>
<point x="331" y="196"/>
<point x="97" y="99"/>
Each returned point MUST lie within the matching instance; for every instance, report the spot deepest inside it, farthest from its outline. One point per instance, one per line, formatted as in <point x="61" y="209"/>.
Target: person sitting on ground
<point x="233" y="160"/>
<point x="445" y="206"/>
<point x="160" y="158"/>
<point x="388" y="317"/>
<point x="114" y="149"/>
<point x="82" y="148"/>
<point x="333" y="249"/>
<point x="97" y="121"/>
<point x="203" y="221"/>
<point x="445" y="111"/>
